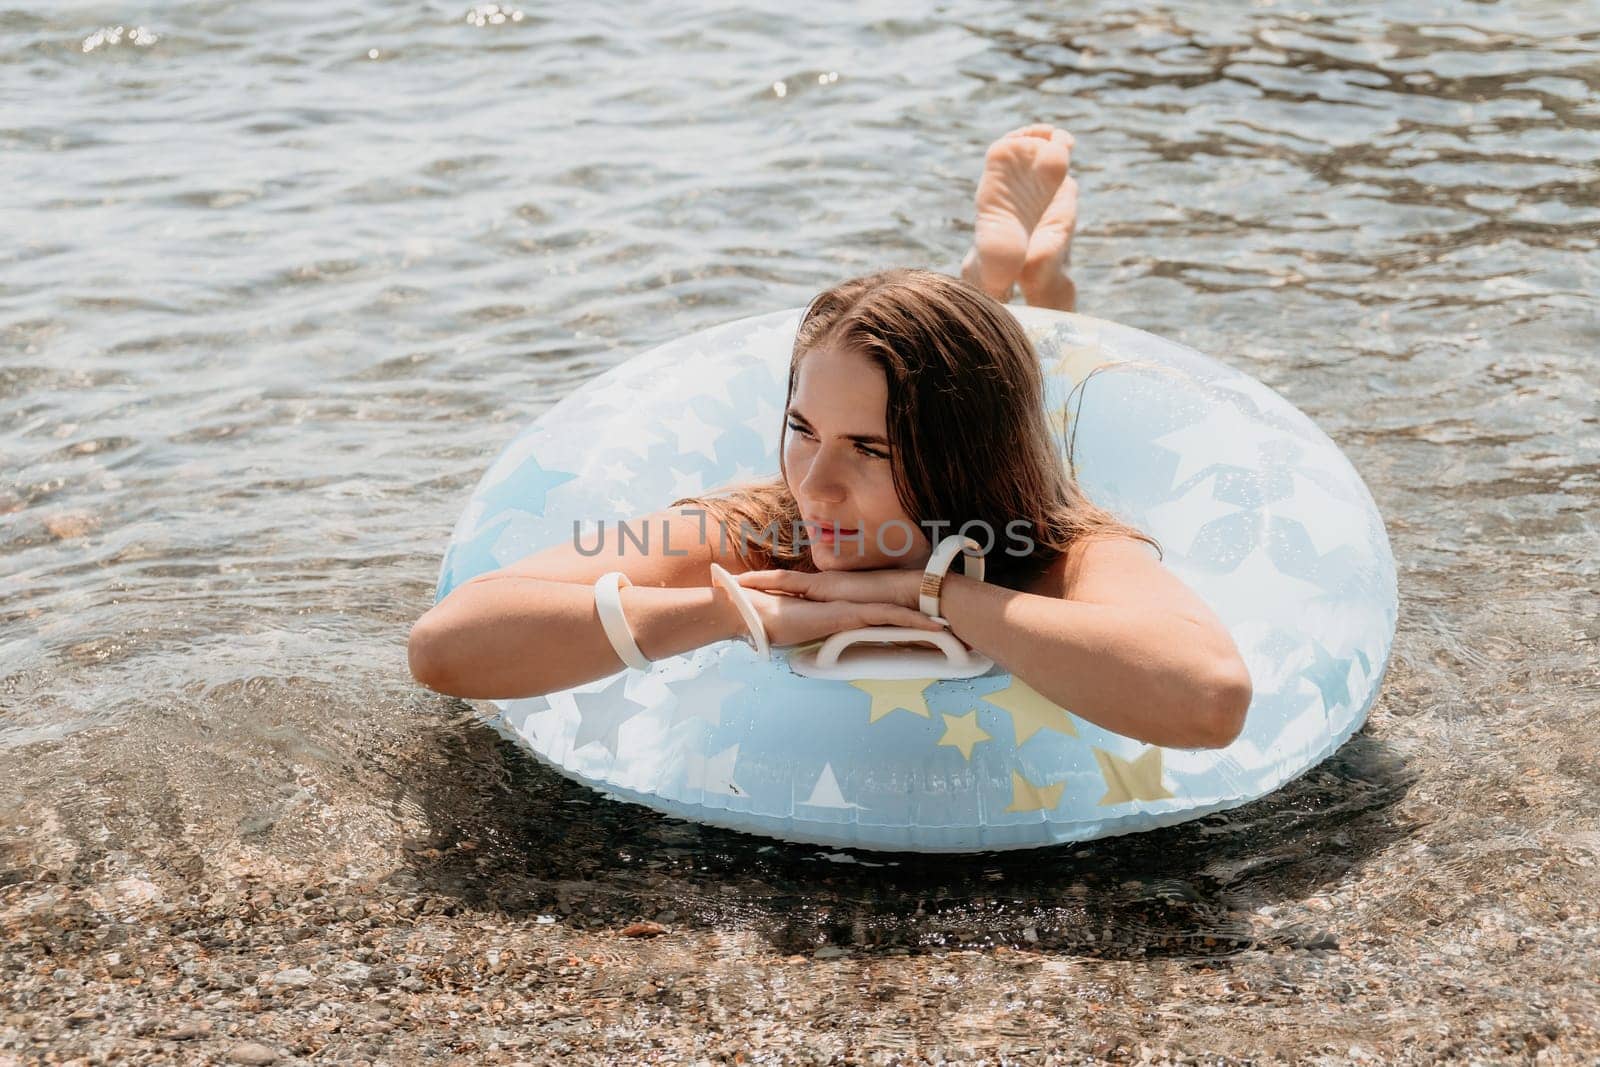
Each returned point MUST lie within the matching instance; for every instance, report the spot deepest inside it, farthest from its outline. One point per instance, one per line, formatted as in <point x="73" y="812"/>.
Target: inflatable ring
<point x="1255" y="509"/>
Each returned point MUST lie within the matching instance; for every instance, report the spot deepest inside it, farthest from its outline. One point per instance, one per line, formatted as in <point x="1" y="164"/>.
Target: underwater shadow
<point x="510" y="834"/>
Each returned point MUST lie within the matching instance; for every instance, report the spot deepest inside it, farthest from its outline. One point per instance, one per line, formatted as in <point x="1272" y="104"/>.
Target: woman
<point x="915" y="410"/>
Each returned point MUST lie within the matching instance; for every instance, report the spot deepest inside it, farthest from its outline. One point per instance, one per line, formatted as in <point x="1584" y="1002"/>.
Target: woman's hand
<point x="884" y="586"/>
<point x="791" y="618"/>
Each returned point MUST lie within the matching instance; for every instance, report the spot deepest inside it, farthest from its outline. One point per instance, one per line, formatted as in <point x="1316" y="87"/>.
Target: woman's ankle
<point x="1054" y="290"/>
<point x="972" y="274"/>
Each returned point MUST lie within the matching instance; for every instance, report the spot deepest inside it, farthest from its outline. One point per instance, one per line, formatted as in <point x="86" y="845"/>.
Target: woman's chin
<point x="832" y="558"/>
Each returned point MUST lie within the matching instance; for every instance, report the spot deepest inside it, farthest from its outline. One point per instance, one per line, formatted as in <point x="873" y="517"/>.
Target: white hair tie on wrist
<point x="608" y="602"/>
<point x="747" y="610"/>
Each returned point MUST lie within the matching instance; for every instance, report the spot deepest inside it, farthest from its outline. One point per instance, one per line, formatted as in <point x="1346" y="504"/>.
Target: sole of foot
<point x="1026" y="211"/>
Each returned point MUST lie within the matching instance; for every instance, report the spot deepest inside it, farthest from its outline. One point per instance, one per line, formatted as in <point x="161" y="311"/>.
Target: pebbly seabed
<point x="445" y="897"/>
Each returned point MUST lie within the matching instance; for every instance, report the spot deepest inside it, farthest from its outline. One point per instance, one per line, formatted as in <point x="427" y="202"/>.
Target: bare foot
<point x="1046" y="278"/>
<point x="1022" y="184"/>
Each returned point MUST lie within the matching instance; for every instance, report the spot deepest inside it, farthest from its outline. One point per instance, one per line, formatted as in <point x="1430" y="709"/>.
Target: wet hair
<point x="969" y="437"/>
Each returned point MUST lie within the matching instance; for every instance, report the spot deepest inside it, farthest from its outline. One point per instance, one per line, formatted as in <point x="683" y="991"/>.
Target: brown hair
<point x="968" y="434"/>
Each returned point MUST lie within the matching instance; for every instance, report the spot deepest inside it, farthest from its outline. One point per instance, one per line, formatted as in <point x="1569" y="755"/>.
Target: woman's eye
<point x="863" y="449"/>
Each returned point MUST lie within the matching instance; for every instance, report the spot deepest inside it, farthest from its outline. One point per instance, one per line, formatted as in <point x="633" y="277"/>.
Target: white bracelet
<point x="747" y="610"/>
<point x="608" y="602"/>
<point x="939" y="563"/>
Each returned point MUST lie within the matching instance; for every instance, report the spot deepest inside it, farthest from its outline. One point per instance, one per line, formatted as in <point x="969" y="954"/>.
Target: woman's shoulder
<point x="671" y="546"/>
<point x="698" y="538"/>
<point x="1064" y="574"/>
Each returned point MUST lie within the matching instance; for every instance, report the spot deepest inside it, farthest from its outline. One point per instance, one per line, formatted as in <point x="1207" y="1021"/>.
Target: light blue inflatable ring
<point x="1255" y="508"/>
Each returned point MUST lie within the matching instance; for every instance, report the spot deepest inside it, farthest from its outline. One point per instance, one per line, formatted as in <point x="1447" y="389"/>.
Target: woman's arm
<point x="531" y="628"/>
<point x="504" y="636"/>
<point x="1134" y="651"/>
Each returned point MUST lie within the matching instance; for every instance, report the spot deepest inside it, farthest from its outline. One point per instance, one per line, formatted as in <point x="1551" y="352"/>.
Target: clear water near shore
<point x="281" y="280"/>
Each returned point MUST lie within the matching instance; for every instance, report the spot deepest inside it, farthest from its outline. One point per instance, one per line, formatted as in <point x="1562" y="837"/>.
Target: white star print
<point x="602" y="712"/>
<point x="695" y="435"/>
<point x="632" y="444"/>
<point x="744" y="473"/>
<point x="1181" y="519"/>
<point x="1261" y="396"/>
<point x="1255" y="586"/>
<point x="826" y="794"/>
<point x="714" y="774"/>
<point x="764" y="418"/>
<point x="1269" y="667"/>
<point x="1222" y="437"/>
<point x="702" y="697"/>
<point x="712" y="381"/>
<point x="589" y="411"/>
<point x="1328" y="521"/>
<point x="686" y="484"/>
<point x="533" y="718"/>
<point x="509" y="462"/>
<point x="466" y="527"/>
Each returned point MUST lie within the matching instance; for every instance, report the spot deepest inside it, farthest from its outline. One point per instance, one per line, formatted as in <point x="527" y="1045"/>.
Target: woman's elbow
<point x="445" y="660"/>
<point x="1226" y="706"/>
<point x="425" y="656"/>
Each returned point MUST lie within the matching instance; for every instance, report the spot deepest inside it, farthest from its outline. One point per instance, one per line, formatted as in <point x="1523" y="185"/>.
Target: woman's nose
<point x="823" y="480"/>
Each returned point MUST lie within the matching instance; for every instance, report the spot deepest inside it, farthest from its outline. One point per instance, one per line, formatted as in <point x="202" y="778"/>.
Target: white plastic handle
<point x="948" y="658"/>
<point x="956" y="654"/>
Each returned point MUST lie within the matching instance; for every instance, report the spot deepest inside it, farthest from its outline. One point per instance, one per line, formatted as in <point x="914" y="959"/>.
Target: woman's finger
<point x="768" y="577"/>
<point x="785" y="581"/>
<point x="895" y="615"/>
<point x="757" y="579"/>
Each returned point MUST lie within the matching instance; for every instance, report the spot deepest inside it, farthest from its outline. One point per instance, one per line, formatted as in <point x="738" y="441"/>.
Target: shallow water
<point x="282" y="279"/>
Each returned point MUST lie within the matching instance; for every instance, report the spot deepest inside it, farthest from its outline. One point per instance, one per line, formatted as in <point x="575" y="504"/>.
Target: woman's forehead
<point x="834" y="372"/>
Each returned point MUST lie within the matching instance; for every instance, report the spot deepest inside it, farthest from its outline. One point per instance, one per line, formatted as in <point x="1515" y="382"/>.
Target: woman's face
<point x="836" y="457"/>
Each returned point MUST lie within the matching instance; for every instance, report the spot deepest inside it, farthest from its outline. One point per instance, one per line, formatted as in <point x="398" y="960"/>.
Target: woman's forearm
<point x="1154" y="677"/>
<point x="507" y="637"/>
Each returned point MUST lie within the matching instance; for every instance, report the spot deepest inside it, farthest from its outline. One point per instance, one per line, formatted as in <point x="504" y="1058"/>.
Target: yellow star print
<point x="1025" y="796"/>
<point x="890" y="693"/>
<point x="962" y="731"/>
<point x="1076" y="361"/>
<point x="1039" y="332"/>
<point x="1030" y="712"/>
<point x="1137" y="779"/>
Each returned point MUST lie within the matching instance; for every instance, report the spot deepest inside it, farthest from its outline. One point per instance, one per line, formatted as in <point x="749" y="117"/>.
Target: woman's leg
<point x="1027" y="209"/>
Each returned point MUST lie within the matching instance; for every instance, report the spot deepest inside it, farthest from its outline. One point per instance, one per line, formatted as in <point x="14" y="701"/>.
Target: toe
<point x="1062" y="211"/>
<point x="1050" y="164"/>
<point x="1037" y="129"/>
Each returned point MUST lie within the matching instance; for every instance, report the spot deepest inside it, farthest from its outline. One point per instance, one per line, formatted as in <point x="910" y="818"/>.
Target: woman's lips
<point x="826" y="532"/>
